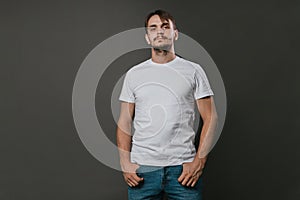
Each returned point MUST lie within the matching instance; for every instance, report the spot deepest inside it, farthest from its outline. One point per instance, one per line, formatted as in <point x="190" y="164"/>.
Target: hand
<point x="191" y="172"/>
<point x="129" y="173"/>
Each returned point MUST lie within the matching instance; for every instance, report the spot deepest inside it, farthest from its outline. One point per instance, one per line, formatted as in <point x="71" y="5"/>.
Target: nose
<point x="160" y="30"/>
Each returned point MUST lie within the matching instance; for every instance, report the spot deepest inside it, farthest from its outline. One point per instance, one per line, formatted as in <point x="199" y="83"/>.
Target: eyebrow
<point x="163" y="24"/>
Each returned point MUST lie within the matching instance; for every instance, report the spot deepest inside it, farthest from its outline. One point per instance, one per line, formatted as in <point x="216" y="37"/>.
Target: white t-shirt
<point x="164" y="97"/>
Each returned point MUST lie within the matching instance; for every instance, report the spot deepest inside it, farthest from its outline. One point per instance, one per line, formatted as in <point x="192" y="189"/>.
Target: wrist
<point x="201" y="160"/>
<point x="124" y="162"/>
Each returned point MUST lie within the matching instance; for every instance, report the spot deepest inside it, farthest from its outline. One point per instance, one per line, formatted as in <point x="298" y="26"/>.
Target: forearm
<point x="123" y="132"/>
<point x="193" y="170"/>
<point x="124" y="139"/>
<point x="207" y="137"/>
<point x="124" y="145"/>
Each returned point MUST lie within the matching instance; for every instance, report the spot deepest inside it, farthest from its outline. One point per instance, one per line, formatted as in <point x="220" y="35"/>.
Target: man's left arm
<point x="192" y="170"/>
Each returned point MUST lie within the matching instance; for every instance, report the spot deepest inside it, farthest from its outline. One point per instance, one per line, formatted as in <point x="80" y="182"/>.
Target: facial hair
<point x="163" y="47"/>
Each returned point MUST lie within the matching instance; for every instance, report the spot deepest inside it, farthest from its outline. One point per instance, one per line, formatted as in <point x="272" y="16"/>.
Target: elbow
<point x="211" y="119"/>
<point x="124" y="126"/>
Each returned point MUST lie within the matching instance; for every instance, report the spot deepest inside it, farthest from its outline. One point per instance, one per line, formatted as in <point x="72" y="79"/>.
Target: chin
<point x="162" y="47"/>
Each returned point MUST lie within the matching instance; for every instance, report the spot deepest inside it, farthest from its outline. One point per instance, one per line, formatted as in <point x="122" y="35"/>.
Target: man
<point x="159" y="96"/>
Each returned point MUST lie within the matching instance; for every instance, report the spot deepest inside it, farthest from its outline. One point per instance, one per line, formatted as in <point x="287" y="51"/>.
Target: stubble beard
<point x="163" y="47"/>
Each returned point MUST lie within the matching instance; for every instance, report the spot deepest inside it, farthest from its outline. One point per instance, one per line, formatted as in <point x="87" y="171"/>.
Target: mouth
<point x="160" y="38"/>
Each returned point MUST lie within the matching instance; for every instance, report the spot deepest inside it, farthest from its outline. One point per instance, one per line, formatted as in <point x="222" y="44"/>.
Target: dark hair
<point x="163" y="15"/>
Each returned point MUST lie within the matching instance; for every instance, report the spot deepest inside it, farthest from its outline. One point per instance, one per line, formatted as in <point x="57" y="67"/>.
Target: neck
<point x="162" y="56"/>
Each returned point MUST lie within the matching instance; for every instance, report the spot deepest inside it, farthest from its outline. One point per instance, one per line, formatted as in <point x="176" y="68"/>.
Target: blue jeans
<point x="160" y="181"/>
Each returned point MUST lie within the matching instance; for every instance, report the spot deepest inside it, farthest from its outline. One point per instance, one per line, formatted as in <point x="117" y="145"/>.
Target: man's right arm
<point x="124" y="140"/>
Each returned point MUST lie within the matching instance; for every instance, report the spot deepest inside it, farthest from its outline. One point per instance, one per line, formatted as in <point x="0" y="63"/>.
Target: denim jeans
<point x="160" y="181"/>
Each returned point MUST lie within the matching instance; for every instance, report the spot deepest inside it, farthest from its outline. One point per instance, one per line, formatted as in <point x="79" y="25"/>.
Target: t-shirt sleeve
<point x="127" y="94"/>
<point x="202" y="86"/>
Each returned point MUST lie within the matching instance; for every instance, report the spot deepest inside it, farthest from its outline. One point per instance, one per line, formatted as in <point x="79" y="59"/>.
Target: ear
<point x="176" y="34"/>
<point x="147" y="38"/>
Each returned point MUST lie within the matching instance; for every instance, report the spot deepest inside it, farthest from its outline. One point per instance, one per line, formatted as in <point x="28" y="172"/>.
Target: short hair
<point x="163" y="15"/>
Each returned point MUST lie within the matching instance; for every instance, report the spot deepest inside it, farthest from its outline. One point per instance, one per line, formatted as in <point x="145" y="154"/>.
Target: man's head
<point x="161" y="30"/>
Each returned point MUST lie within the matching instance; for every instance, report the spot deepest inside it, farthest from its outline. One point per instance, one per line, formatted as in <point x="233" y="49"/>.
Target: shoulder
<point x="193" y="65"/>
<point x="138" y="67"/>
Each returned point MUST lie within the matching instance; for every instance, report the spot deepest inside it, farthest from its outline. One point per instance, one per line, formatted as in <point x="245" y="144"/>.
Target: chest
<point x="163" y="85"/>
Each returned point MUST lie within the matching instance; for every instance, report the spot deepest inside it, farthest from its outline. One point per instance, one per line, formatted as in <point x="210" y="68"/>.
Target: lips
<point x="160" y="38"/>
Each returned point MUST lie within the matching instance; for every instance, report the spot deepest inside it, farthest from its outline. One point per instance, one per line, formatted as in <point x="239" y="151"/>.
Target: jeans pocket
<point x="139" y="170"/>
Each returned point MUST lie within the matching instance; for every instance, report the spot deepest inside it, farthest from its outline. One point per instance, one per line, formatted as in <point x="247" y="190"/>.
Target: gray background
<point x="255" y="45"/>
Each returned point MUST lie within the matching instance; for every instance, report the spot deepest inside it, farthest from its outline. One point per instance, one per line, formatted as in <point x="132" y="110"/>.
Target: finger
<point x="190" y="181"/>
<point x="132" y="183"/>
<point x="129" y="183"/>
<point x="194" y="183"/>
<point x="186" y="179"/>
<point x="181" y="177"/>
<point x="136" y="177"/>
<point x="183" y="173"/>
<point x="132" y="180"/>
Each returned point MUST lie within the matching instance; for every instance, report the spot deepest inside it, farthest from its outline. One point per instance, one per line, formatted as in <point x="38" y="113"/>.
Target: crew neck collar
<point x="167" y="63"/>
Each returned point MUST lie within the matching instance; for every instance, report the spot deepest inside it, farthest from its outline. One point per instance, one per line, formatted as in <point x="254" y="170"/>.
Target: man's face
<point x="160" y="34"/>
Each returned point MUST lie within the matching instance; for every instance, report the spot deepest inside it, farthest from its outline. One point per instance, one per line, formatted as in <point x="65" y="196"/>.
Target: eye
<point x="152" y="29"/>
<point x="166" y="27"/>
